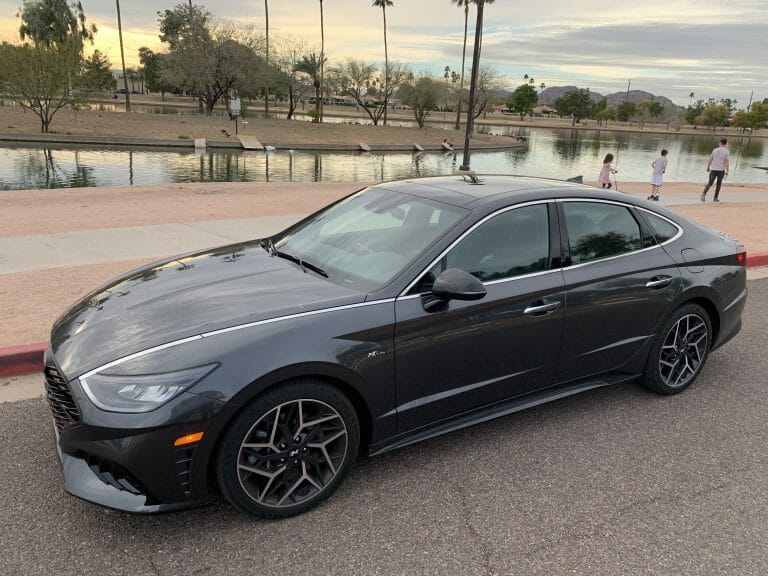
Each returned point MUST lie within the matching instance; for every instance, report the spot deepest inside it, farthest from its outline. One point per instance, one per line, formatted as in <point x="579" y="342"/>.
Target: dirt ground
<point x="275" y="132"/>
<point x="96" y="122"/>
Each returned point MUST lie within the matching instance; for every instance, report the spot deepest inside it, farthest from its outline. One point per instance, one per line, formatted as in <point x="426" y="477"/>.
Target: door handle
<point x="659" y="282"/>
<point x="541" y="308"/>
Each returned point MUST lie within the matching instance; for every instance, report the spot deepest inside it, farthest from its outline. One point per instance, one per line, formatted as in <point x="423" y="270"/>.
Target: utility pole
<point x="122" y="56"/>
<point x="473" y="85"/>
<point x="266" y="75"/>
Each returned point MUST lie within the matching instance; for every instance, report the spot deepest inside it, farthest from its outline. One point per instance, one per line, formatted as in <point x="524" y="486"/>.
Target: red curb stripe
<point x="19" y="360"/>
<point x="28" y="359"/>
<point x="759" y="259"/>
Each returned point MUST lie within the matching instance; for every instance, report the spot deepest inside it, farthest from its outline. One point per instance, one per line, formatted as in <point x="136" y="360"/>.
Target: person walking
<point x="606" y="171"/>
<point x="717" y="166"/>
<point x="659" y="167"/>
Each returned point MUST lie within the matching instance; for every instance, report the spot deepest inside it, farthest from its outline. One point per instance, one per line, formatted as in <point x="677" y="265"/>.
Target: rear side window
<point x="597" y="230"/>
<point x="663" y="229"/>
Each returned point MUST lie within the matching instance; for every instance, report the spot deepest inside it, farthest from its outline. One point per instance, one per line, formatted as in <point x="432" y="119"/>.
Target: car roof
<point x="463" y="191"/>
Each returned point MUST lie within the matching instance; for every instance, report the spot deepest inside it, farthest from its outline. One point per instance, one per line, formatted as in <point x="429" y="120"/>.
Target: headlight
<point x="142" y="393"/>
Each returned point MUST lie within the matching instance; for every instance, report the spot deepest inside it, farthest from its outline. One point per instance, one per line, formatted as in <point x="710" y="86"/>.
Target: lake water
<point x="550" y="153"/>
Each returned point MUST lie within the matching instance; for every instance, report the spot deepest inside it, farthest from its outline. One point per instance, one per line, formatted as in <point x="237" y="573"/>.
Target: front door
<point x="470" y="354"/>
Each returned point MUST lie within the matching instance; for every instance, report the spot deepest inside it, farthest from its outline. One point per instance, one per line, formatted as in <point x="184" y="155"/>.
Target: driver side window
<point x="509" y="244"/>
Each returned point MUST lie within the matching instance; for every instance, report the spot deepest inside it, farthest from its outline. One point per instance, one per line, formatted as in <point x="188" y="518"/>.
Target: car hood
<point x="186" y="296"/>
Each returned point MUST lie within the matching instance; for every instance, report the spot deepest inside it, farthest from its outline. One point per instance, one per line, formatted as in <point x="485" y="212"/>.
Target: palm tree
<point x="542" y="86"/>
<point x="266" y="74"/>
<point x="312" y="66"/>
<point x="690" y="102"/>
<point x="383" y="5"/>
<point x="462" y="4"/>
<point x="322" y="59"/>
<point x="122" y="56"/>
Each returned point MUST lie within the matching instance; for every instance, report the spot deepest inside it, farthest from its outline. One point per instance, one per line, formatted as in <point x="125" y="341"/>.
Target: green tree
<point x="575" y="103"/>
<point x="606" y="114"/>
<point x="383" y="5"/>
<point x="39" y="78"/>
<point x="152" y="64"/>
<point x="206" y="61"/>
<point x="53" y="22"/>
<point x="755" y="119"/>
<point x="713" y="115"/>
<point x="626" y="111"/>
<point x="96" y="74"/>
<point x="311" y="65"/>
<point x="422" y="96"/>
<point x="693" y="112"/>
<point x="47" y="73"/>
<point x="522" y="100"/>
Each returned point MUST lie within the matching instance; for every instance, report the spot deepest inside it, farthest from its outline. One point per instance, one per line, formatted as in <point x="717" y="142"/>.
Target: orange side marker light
<point x="188" y="439"/>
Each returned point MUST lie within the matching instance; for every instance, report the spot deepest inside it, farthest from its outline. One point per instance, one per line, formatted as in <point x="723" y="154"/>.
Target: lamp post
<point x="473" y="85"/>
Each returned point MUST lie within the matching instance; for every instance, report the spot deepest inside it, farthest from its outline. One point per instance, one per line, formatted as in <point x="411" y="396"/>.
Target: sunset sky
<point x="715" y="49"/>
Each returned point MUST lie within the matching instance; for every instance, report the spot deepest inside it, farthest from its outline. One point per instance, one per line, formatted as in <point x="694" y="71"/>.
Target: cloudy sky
<point x="715" y="49"/>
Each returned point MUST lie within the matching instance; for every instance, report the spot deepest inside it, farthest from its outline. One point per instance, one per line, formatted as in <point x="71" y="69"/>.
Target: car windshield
<point x="365" y="240"/>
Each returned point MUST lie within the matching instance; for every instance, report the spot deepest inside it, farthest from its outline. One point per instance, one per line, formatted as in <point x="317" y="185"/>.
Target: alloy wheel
<point x="292" y="453"/>
<point x="683" y="351"/>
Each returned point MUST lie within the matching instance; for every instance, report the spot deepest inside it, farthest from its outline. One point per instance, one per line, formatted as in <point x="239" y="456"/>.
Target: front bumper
<point x="109" y="484"/>
<point x="129" y="462"/>
<point x="85" y="482"/>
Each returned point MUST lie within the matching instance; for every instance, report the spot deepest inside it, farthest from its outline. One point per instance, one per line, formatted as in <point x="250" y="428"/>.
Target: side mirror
<point x="455" y="284"/>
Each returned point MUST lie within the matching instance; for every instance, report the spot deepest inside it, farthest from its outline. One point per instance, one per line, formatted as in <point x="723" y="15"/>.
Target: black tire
<point x="679" y="352"/>
<point x="272" y="461"/>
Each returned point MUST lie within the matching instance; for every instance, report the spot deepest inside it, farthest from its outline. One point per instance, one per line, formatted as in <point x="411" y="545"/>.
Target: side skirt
<point x="497" y="410"/>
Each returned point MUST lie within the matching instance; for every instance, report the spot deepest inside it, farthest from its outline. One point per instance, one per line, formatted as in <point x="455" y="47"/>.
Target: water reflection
<point x="550" y="153"/>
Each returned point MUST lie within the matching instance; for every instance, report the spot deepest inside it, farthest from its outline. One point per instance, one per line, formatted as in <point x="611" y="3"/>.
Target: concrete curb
<point x="28" y="359"/>
<point x="19" y="360"/>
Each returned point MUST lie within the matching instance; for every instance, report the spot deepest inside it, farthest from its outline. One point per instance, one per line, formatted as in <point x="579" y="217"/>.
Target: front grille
<point x="63" y="406"/>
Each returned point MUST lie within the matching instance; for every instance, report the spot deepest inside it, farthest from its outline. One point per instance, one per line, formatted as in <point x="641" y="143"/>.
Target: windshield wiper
<point x="303" y="264"/>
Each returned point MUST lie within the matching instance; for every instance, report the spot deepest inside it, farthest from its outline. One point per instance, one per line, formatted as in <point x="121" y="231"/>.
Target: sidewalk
<point x="55" y="246"/>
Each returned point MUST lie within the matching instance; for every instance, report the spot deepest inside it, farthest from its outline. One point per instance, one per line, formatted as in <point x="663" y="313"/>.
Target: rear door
<point x="619" y="285"/>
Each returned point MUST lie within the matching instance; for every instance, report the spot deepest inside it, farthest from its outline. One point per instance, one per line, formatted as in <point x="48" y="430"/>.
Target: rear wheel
<point x="680" y="351"/>
<point x="289" y="449"/>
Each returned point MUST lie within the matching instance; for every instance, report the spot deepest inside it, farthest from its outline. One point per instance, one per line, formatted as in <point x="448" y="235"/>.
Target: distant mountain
<point x="549" y="95"/>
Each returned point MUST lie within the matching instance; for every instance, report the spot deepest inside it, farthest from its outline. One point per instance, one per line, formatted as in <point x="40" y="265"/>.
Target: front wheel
<point x="289" y="449"/>
<point x="680" y="351"/>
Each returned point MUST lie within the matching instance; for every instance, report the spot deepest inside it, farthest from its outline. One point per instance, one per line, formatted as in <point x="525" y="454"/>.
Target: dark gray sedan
<point x="404" y="311"/>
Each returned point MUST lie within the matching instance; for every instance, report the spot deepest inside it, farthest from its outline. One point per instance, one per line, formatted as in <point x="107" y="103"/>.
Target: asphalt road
<point x="614" y="481"/>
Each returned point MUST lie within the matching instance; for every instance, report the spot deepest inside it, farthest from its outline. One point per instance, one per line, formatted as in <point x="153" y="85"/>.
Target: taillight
<point x="741" y="258"/>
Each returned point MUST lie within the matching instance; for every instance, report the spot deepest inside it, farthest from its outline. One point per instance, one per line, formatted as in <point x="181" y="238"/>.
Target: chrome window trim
<point x="404" y="293"/>
<point x="204" y="335"/>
